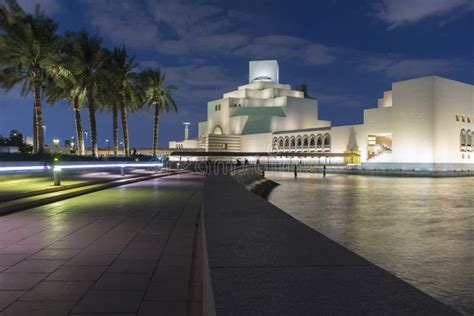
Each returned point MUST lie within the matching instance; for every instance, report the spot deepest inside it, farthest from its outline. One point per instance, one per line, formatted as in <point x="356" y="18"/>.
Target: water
<point x="419" y="229"/>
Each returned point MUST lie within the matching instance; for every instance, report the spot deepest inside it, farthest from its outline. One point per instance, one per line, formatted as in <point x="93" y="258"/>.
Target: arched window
<point x="469" y="140"/>
<point x="287" y="143"/>
<point x="281" y="143"/>
<point x="327" y="142"/>
<point x="312" y="142"/>
<point x="463" y="139"/>
<point x="298" y="142"/>
<point x="305" y="142"/>
<point x="292" y="143"/>
<point x="275" y="143"/>
<point x="319" y="141"/>
<point x="217" y="130"/>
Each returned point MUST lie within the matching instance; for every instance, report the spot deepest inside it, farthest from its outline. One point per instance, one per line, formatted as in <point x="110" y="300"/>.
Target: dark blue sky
<point x="348" y="52"/>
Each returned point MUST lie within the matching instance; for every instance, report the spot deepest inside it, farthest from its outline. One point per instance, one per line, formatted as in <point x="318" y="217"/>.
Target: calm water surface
<point x="420" y="229"/>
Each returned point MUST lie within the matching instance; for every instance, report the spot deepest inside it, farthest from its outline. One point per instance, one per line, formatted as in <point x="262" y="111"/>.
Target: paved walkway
<point x="264" y="262"/>
<point x="128" y="250"/>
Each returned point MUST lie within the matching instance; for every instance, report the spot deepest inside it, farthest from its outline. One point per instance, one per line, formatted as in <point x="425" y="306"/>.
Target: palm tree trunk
<point x="92" y="123"/>
<point x="123" y="112"/>
<point x="38" y="112"/>
<point x="156" y="123"/>
<point x="115" y="129"/>
<point x="35" y="134"/>
<point x="79" y="131"/>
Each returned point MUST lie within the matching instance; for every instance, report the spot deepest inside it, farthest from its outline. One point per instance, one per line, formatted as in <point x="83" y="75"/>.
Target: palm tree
<point x="121" y="78"/>
<point x="29" y="54"/>
<point x="90" y="57"/>
<point x="158" y="97"/>
<point x="68" y="89"/>
<point x="76" y="97"/>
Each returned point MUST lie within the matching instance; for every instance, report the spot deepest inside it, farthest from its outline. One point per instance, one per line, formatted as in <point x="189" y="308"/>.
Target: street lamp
<point x="44" y="131"/>
<point x="108" y="146"/>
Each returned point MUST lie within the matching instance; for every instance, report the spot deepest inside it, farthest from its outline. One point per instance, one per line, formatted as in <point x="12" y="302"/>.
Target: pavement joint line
<point x="193" y="262"/>
<point x="164" y="248"/>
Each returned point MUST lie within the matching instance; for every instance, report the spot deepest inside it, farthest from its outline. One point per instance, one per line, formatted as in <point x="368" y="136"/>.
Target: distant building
<point x="9" y="149"/>
<point x="424" y="123"/>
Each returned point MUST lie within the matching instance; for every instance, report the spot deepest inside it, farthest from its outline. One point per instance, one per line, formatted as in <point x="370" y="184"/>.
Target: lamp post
<point x="108" y="146"/>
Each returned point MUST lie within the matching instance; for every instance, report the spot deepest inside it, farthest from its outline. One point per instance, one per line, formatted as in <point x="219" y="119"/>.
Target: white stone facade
<point x="425" y="123"/>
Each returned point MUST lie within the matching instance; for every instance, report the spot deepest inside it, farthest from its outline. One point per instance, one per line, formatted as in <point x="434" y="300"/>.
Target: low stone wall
<point x="261" y="261"/>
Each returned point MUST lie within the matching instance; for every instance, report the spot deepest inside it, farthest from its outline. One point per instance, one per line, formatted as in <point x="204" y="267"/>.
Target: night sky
<point x="347" y="52"/>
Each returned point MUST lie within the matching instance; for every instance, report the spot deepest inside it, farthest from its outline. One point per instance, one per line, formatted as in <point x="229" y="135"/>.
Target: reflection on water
<point x="420" y="229"/>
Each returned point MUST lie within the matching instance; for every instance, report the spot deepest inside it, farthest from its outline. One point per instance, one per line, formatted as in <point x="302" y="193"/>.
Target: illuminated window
<point x="287" y="143"/>
<point x="281" y="143"/>
<point x="292" y="143"/>
<point x="468" y="119"/>
<point x="462" y="118"/>
<point x="217" y="130"/>
<point x="372" y="140"/>
<point x="457" y="117"/>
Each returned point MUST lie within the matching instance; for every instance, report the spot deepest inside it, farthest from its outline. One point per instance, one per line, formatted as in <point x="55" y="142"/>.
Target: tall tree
<point x="76" y="97"/>
<point x="122" y="78"/>
<point x="90" y="57"/>
<point x="29" y="54"/>
<point x="158" y="97"/>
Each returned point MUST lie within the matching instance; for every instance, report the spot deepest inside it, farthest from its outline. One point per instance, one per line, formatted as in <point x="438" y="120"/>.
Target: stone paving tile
<point x="88" y="259"/>
<point x="167" y="291"/>
<point x="38" y="266"/>
<point x="68" y="244"/>
<point x="57" y="291"/>
<point x="123" y="282"/>
<point x="3" y="268"/>
<point x="77" y="273"/>
<point x="141" y="253"/>
<point x="59" y="254"/>
<point x="109" y="302"/>
<point x="172" y="273"/>
<point x="176" y="260"/>
<point x="19" y="281"/>
<point x="132" y="266"/>
<point x="8" y="297"/>
<point x="38" y="309"/>
<point x="20" y="249"/>
<point x="8" y="260"/>
<point x="178" y="308"/>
